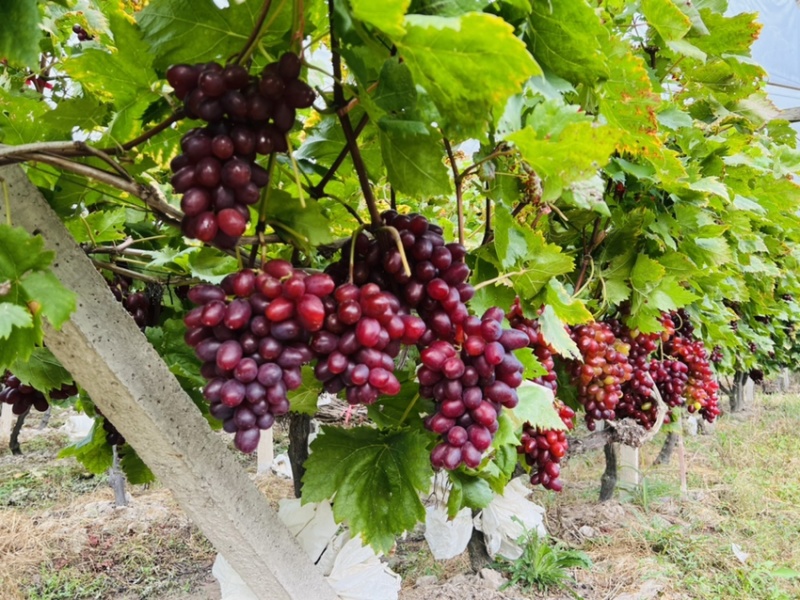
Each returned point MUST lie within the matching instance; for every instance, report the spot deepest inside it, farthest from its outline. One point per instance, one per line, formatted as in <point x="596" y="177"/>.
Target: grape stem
<point x="126" y="272"/>
<point x="587" y="252"/>
<point x="399" y="243"/>
<point x="262" y="211"/>
<point x="347" y="126"/>
<point x="408" y="409"/>
<point x="353" y="238"/>
<point x="6" y="201"/>
<point x="458" y="179"/>
<point x="318" y="191"/>
<point x="250" y="44"/>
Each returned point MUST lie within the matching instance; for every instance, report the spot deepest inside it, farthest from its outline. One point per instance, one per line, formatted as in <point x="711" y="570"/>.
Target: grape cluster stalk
<point x="245" y="117"/>
<point x="544" y="448"/>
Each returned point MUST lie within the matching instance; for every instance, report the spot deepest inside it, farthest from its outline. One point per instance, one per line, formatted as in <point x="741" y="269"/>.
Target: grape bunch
<point x="437" y="286"/>
<point x="716" y="355"/>
<point x="246" y="116"/>
<point x="144" y="306"/>
<point x="22" y="397"/>
<point x="701" y="385"/>
<point x="544" y="449"/>
<point x="542" y="350"/>
<point x="81" y="33"/>
<point x="252" y="333"/>
<point x="470" y="387"/>
<point x="602" y="372"/>
<point x="359" y="341"/>
<point x="113" y="436"/>
<point x="637" y="401"/>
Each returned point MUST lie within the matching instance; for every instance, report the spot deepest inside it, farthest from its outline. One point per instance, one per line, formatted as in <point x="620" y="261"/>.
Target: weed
<point x="543" y="565"/>
<point x="68" y="584"/>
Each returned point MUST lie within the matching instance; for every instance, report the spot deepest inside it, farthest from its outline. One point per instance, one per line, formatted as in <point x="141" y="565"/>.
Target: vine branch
<point x="319" y="190"/>
<point x="252" y="39"/>
<point x="347" y="126"/>
<point x="457" y="181"/>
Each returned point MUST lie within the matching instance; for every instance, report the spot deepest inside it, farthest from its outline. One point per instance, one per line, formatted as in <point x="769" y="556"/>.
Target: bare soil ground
<point x="732" y="534"/>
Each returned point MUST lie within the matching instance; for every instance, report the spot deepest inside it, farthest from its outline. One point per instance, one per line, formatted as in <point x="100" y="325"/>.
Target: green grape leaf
<point x="98" y="227"/>
<point x="21" y="252"/>
<point x="467" y="490"/>
<point x="567" y="308"/>
<point x="413" y="158"/>
<point x="42" y="371"/>
<point x="11" y="316"/>
<point x="18" y="44"/>
<point x="666" y="18"/>
<point x="133" y="466"/>
<point x="175" y="352"/>
<point x="374" y="477"/>
<point x="92" y="451"/>
<point x="536" y="407"/>
<point x="208" y="264"/>
<point x="198" y="30"/>
<point x="307" y="226"/>
<point x="567" y="39"/>
<point x="56" y="301"/>
<point x="386" y="15"/>
<point x="555" y="334"/>
<point x="304" y="399"/>
<point x="444" y="53"/>
<point x="532" y="367"/>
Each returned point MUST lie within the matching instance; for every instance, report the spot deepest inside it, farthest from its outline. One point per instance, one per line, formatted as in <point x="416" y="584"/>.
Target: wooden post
<point x="110" y="358"/>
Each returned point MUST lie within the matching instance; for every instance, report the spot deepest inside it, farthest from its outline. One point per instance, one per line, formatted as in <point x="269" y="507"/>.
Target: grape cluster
<point x="716" y="355"/>
<point x="22" y="397"/>
<point x="602" y="372"/>
<point x="113" y="436"/>
<point x="544" y="449"/>
<point x="144" y="306"/>
<point x="81" y="33"/>
<point x="701" y="385"/>
<point x="637" y="400"/>
<point x="542" y="350"/>
<point x="359" y="341"/>
<point x="470" y="387"/>
<point x="252" y="332"/>
<point x="246" y="116"/>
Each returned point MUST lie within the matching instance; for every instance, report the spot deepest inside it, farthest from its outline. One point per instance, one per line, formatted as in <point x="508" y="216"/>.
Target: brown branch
<point x="347" y="126"/>
<point x="152" y="132"/>
<point x="457" y="180"/>
<point x="126" y="272"/>
<point x="149" y="194"/>
<point x="355" y="101"/>
<point x="318" y="191"/>
<point x="587" y="254"/>
<point x="249" y="45"/>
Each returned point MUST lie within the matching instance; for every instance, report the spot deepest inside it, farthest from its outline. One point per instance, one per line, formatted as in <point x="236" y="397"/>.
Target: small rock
<point x="458" y="579"/>
<point x="426" y="580"/>
<point x="587" y="532"/>
<point x="492" y="579"/>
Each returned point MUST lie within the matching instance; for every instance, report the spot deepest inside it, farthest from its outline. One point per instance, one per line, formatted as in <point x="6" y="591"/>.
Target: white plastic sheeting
<point x="358" y="574"/>
<point x="446" y="538"/>
<point x="507" y="518"/>
<point x="312" y="524"/>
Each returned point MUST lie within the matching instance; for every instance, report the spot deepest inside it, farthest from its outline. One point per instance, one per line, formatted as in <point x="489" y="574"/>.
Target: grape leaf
<point x="304" y="399"/>
<point x="17" y="44"/>
<point x="413" y="158"/>
<point x="306" y="226"/>
<point x="467" y="490"/>
<point x="42" y="371"/>
<point x="533" y="368"/>
<point x="133" y="466"/>
<point x="374" y="477"/>
<point x="386" y="15"/>
<point x="56" y="301"/>
<point x="567" y="308"/>
<point x="555" y="334"/>
<point x="13" y="315"/>
<point x="666" y="18"/>
<point x="198" y="30"/>
<point x="92" y="451"/>
<point x="444" y="53"/>
<point x="97" y="227"/>
<point x="21" y="252"/>
<point x="567" y="39"/>
<point x="536" y="407"/>
<point x="208" y="264"/>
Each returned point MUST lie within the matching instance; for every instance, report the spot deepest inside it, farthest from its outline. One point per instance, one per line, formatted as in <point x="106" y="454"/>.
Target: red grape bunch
<point x="470" y="387"/>
<point x="359" y="341"/>
<point x="22" y="397"/>
<point x="247" y="116"/>
<point x="701" y="385"/>
<point x="252" y="332"/>
<point x="144" y="306"/>
<point x="544" y="352"/>
<point x="637" y="401"/>
<point x="544" y="449"/>
<point x="603" y="371"/>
